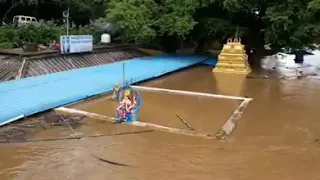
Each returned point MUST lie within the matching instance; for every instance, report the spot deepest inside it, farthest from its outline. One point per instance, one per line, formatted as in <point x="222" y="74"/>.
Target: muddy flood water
<point x="278" y="136"/>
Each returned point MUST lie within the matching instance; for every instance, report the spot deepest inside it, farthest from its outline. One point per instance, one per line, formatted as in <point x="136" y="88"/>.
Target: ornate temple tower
<point x="233" y="58"/>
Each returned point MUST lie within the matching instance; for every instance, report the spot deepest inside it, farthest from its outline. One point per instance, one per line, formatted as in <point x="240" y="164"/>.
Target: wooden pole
<point x="185" y="122"/>
<point x="123" y="74"/>
<point x="135" y="123"/>
<point x="172" y="130"/>
<point x="73" y="137"/>
<point x="65" y="122"/>
<point x="171" y="91"/>
<point x="229" y="126"/>
<point x="19" y="75"/>
<point x="84" y="113"/>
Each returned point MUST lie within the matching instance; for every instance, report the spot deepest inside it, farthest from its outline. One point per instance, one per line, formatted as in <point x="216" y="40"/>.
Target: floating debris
<point x="25" y="140"/>
<point x="258" y="77"/>
<point x="26" y="129"/>
<point x="110" y="162"/>
<point x="47" y="122"/>
<point x="185" y="122"/>
<point x="13" y="134"/>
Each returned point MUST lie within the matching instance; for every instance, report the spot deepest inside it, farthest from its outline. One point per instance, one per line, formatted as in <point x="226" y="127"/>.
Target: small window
<point x="23" y="18"/>
<point x="34" y="20"/>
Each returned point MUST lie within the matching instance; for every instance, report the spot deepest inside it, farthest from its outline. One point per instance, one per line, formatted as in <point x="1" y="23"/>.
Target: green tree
<point x="290" y="23"/>
<point x="27" y="2"/>
<point x="135" y="18"/>
<point x="143" y="20"/>
<point x="293" y="23"/>
<point x="176" y="17"/>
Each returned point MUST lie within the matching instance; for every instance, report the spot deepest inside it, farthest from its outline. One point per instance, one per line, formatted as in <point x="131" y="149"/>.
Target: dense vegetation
<point x="293" y="23"/>
<point x="41" y="33"/>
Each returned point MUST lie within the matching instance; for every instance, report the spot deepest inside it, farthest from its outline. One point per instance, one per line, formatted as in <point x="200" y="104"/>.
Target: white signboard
<point x="76" y="44"/>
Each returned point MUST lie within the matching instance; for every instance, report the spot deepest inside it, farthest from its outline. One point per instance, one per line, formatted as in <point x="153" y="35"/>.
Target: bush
<point x="41" y="33"/>
<point x="7" y="36"/>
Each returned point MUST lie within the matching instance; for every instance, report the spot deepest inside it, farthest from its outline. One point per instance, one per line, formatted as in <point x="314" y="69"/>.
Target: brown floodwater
<point x="278" y="136"/>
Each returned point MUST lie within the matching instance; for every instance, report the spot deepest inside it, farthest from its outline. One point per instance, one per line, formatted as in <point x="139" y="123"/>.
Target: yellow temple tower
<point x="233" y="58"/>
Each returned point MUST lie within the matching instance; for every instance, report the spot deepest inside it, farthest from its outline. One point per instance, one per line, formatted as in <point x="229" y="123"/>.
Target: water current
<point x="278" y="136"/>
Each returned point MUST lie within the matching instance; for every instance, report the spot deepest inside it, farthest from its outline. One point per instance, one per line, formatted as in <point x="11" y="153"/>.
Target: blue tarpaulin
<point x="28" y="96"/>
<point x="210" y="62"/>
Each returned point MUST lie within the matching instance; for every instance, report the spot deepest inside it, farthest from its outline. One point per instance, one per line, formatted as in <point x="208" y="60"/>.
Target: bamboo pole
<point x="72" y="137"/>
<point x="85" y="113"/>
<point x="171" y="91"/>
<point x="136" y="123"/>
<point x="172" y="130"/>
<point x="185" y="122"/>
<point x="123" y="74"/>
<point x="73" y="132"/>
<point x="229" y="126"/>
<point x="20" y="72"/>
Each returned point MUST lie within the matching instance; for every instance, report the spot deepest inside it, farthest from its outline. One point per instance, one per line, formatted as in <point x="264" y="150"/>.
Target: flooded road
<point x="278" y="136"/>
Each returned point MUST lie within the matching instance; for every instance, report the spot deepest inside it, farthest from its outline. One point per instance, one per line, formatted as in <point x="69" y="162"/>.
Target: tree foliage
<point x="285" y="22"/>
<point x="176" y="17"/>
<point x="41" y="33"/>
<point x="293" y="23"/>
<point x="147" y="19"/>
<point x="136" y="18"/>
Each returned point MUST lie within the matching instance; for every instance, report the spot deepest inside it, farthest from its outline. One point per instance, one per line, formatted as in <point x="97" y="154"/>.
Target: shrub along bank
<point x="41" y="33"/>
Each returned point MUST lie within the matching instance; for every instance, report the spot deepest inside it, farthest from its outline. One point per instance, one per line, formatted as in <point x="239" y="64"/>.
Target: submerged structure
<point x="233" y="58"/>
<point x="28" y="96"/>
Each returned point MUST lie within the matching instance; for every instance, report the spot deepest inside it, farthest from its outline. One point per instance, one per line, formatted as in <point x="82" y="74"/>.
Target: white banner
<point x="76" y="44"/>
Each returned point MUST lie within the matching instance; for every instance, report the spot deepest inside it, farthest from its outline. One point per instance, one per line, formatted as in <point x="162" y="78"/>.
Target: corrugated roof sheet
<point x="10" y="66"/>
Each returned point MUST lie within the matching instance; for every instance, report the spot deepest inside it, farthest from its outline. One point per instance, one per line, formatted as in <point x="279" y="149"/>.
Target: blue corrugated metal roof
<point x="211" y="62"/>
<point x="36" y="94"/>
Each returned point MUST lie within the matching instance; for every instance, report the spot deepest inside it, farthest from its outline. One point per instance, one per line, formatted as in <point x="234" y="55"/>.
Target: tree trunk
<point x="299" y="57"/>
<point x="13" y="5"/>
<point x="170" y="43"/>
<point x="200" y="43"/>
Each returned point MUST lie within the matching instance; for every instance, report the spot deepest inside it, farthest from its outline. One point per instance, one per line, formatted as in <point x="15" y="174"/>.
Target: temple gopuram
<point x="233" y="58"/>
